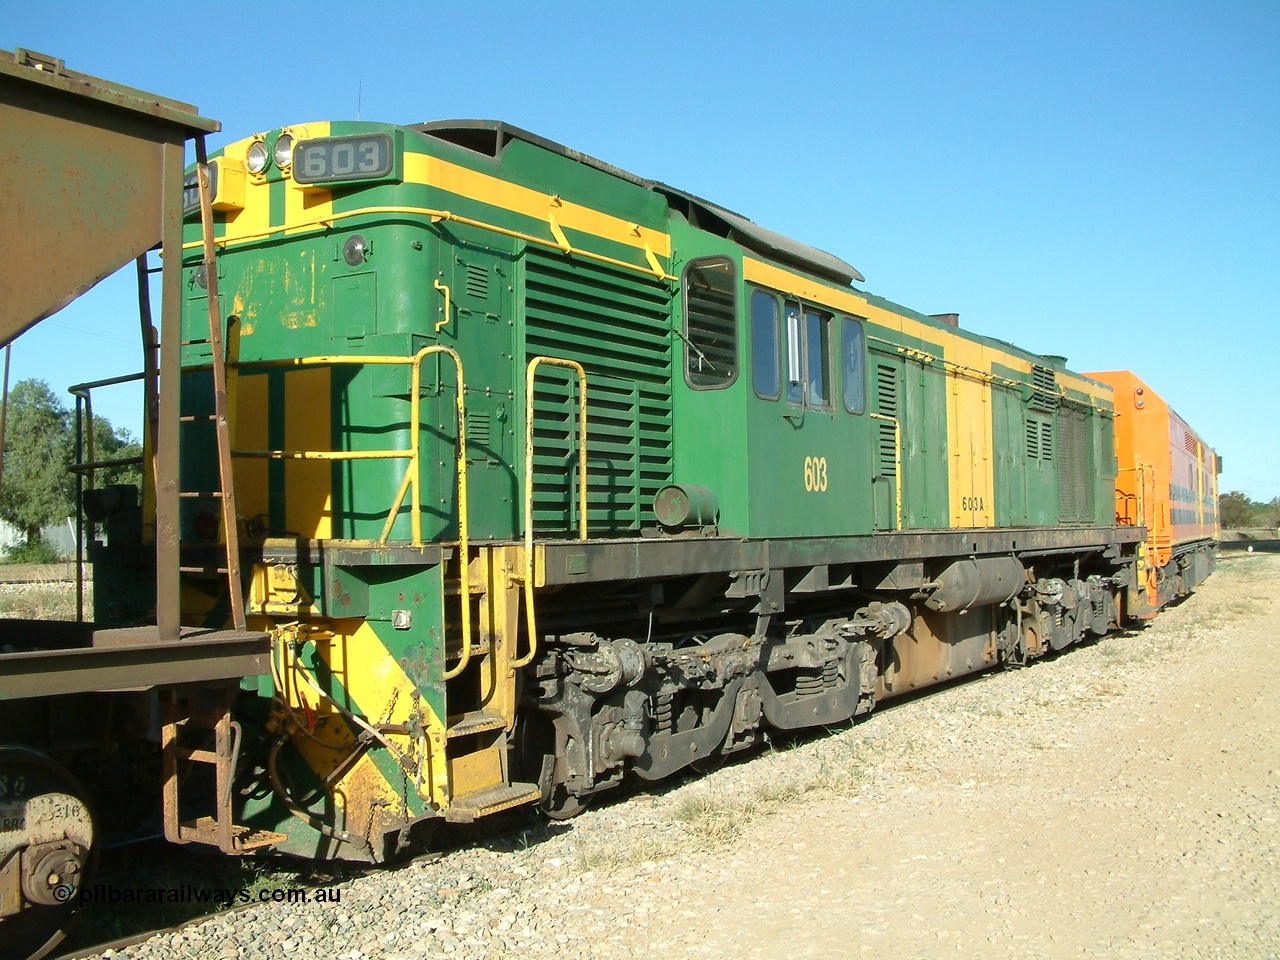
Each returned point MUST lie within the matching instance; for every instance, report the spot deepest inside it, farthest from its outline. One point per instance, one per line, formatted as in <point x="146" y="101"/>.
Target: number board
<point x="191" y="189"/>
<point x="369" y="156"/>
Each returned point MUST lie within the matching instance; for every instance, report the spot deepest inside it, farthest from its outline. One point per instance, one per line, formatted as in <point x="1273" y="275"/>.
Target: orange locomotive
<point x="1167" y="481"/>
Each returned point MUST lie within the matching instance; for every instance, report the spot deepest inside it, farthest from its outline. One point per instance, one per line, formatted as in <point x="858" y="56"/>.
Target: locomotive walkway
<point x="1120" y="801"/>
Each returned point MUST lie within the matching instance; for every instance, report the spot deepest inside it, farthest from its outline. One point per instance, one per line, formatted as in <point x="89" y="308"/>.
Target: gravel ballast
<point x="1122" y="800"/>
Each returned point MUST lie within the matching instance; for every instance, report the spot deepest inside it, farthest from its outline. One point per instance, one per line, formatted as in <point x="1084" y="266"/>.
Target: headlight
<point x="256" y="159"/>
<point x="284" y="151"/>
<point x="355" y="250"/>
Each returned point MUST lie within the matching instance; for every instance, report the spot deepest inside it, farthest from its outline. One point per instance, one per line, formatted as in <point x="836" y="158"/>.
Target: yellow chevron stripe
<point x="373" y="679"/>
<point x="431" y="171"/>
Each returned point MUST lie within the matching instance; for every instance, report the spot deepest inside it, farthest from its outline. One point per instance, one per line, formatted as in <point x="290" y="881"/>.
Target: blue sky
<point x="1098" y="180"/>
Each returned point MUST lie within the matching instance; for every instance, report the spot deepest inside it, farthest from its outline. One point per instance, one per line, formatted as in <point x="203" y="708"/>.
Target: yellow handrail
<point x="897" y="466"/>
<point x="411" y="474"/>
<point x="530" y="616"/>
<point x="448" y="306"/>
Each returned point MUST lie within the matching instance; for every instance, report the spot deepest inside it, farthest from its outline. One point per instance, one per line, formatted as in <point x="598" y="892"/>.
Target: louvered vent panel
<point x="1090" y="472"/>
<point x="1046" y="440"/>
<point x="477" y="282"/>
<point x="886" y="450"/>
<point x="479" y="428"/>
<point x="1044" y="389"/>
<point x="1033" y="439"/>
<point x="616" y="324"/>
<point x="887" y="389"/>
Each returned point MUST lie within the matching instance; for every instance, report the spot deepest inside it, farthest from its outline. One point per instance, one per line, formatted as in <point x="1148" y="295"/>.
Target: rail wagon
<point x="533" y="475"/>
<point x="91" y="179"/>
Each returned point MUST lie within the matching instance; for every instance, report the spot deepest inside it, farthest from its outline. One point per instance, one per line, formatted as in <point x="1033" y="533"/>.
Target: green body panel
<point x="1011" y="463"/>
<point x="710" y="424"/>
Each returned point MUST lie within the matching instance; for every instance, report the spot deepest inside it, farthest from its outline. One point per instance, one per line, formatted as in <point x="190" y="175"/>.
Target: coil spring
<point x="830" y="673"/>
<point x="810" y="684"/>
<point x="663" y="711"/>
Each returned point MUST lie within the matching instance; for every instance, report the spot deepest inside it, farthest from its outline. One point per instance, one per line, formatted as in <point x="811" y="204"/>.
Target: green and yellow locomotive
<point x="546" y="474"/>
<point x="479" y="473"/>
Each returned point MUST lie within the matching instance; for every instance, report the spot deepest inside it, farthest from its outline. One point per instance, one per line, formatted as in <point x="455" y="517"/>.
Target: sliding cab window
<point x="853" y="345"/>
<point x="808" y="356"/>
<point x="764" y="345"/>
<point x="711" y="322"/>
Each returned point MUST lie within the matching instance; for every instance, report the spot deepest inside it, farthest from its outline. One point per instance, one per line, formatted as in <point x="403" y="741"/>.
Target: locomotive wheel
<point x="710" y="763"/>
<point x="535" y="760"/>
<point x="560" y="804"/>
<point x="48" y="849"/>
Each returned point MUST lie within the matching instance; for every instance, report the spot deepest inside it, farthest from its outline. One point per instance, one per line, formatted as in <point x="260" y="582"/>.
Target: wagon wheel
<point x="48" y="829"/>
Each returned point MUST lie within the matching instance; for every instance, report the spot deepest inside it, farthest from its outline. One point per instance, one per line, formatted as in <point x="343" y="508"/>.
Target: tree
<point x="1234" y="510"/>
<point x="1237" y="511"/>
<point x="113" y="443"/>
<point x="38" y="488"/>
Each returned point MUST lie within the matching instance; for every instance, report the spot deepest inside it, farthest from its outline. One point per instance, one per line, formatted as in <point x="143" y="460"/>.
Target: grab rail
<point x="530" y="373"/>
<point x="411" y="473"/>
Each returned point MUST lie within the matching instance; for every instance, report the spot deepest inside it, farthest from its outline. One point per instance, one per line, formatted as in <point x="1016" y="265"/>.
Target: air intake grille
<point x="887" y="389"/>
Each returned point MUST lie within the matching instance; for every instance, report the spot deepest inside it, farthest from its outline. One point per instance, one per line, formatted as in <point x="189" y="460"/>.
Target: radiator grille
<point x="886" y="404"/>
<point x="617" y="325"/>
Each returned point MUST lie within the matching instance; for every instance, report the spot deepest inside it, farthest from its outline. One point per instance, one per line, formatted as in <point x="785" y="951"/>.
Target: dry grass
<point x="43" y="600"/>
<point x="712" y="819"/>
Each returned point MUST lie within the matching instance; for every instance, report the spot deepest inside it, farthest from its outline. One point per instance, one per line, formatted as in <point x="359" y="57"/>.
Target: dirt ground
<point x="1120" y="801"/>
<point x="1124" y="804"/>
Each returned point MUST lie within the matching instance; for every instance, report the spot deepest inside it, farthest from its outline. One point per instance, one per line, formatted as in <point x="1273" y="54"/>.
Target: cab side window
<point x="852" y="351"/>
<point x="764" y="345"/>
<point x="818" y="350"/>
<point x="711" y="322"/>
<point x="808" y="355"/>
